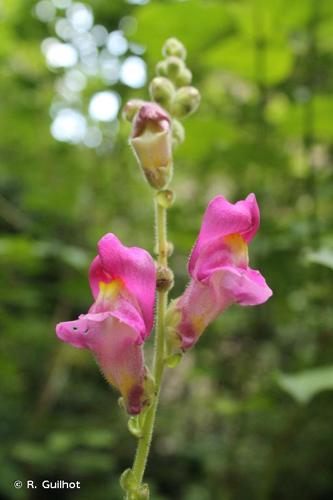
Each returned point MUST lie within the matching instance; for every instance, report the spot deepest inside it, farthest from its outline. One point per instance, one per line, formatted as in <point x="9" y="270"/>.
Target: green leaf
<point x="303" y="386"/>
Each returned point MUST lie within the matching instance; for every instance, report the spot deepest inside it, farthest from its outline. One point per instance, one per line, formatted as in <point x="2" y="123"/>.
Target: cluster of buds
<point x="156" y="126"/>
<point x="172" y="89"/>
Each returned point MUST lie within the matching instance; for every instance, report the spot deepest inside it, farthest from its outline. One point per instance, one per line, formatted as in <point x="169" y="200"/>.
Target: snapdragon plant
<point x="124" y="280"/>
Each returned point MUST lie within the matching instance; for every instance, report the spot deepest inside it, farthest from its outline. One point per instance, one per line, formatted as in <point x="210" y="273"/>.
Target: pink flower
<point x="123" y="282"/>
<point x="219" y="268"/>
<point x="152" y="143"/>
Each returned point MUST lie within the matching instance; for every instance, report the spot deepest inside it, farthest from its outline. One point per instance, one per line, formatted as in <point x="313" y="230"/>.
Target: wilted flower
<point x="152" y="144"/>
<point x="123" y="282"/>
<point x="219" y="268"/>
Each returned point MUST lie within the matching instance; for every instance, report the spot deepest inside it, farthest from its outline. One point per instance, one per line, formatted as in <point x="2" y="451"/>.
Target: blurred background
<point x="248" y="413"/>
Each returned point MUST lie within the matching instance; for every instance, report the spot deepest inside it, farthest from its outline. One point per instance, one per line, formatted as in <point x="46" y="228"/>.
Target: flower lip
<point x="150" y="114"/>
<point x="222" y="219"/>
<point x="134" y="268"/>
<point x="116" y="346"/>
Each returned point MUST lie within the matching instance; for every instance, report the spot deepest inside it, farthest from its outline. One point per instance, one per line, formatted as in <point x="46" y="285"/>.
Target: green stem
<point x="158" y="361"/>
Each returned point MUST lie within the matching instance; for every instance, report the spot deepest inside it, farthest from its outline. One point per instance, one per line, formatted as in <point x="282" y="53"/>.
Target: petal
<point x="73" y="332"/>
<point x="117" y="351"/>
<point x="246" y="287"/>
<point x="222" y="251"/>
<point x="222" y="219"/>
<point x="134" y="266"/>
<point x="125" y="311"/>
<point x="150" y="114"/>
<point x="198" y="306"/>
<point x="97" y="274"/>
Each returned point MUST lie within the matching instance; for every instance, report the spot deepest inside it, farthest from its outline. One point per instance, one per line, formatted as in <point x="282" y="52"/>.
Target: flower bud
<point x="174" y="66"/>
<point x="184" y="78"/>
<point x="121" y="403"/>
<point x="172" y="319"/>
<point x="162" y="90"/>
<point x="162" y="68"/>
<point x="151" y="142"/>
<point x="131" y="108"/>
<point x="171" y="248"/>
<point x="178" y="132"/>
<point x="165" y="198"/>
<point x="174" y="47"/>
<point x="173" y="360"/>
<point x="186" y="101"/>
<point x="165" y="279"/>
<point x="127" y="480"/>
<point x="140" y="493"/>
<point x="134" y="426"/>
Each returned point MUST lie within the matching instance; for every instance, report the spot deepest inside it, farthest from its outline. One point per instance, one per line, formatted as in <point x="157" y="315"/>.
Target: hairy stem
<point x="158" y="361"/>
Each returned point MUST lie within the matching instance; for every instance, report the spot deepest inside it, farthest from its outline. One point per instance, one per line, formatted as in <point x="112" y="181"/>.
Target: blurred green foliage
<point x="225" y="428"/>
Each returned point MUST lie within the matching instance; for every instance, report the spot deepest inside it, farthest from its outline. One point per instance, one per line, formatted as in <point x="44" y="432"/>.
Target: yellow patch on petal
<point x="124" y="383"/>
<point x="238" y="248"/>
<point x="111" y="290"/>
<point x="198" y="324"/>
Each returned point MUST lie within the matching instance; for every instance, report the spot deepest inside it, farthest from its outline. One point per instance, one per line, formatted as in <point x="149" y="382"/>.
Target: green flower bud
<point x="131" y="109"/>
<point x="171" y="248"/>
<point x="162" y="68"/>
<point x="141" y="493"/>
<point x="127" y="480"/>
<point x="134" y="426"/>
<point x="178" y="132"/>
<point x="173" y="360"/>
<point x="174" y="66"/>
<point x="165" y="198"/>
<point x="184" y="78"/>
<point x="186" y="101"/>
<point x="162" y="90"/>
<point x="174" y="47"/>
<point x="172" y="320"/>
<point x="121" y="403"/>
<point x="165" y="279"/>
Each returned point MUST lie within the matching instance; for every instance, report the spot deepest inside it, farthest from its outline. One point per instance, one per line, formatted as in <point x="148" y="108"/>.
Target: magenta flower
<point x="123" y="282"/>
<point x="219" y="268"/>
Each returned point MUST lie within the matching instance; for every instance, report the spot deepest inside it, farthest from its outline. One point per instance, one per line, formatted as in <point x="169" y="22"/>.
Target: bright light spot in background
<point x="117" y="43"/>
<point x="62" y="4"/>
<point x="85" y="43"/>
<point x="59" y="55"/>
<point x="90" y="64"/>
<point x="64" y="29"/>
<point x="83" y="50"/>
<point x="133" y="72"/>
<point x="81" y="17"/>
<point x="104" y="106"/>
<point x="110" y="69"/>
<point x="100" y="34"/>
<point x="75" y="80"/>
<point x="93" y="137"/>
<point x="137" y="49"/>
<point x="138" y="2"/>
<point x="45" y="11"/>
<point x="69" y="126"/>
